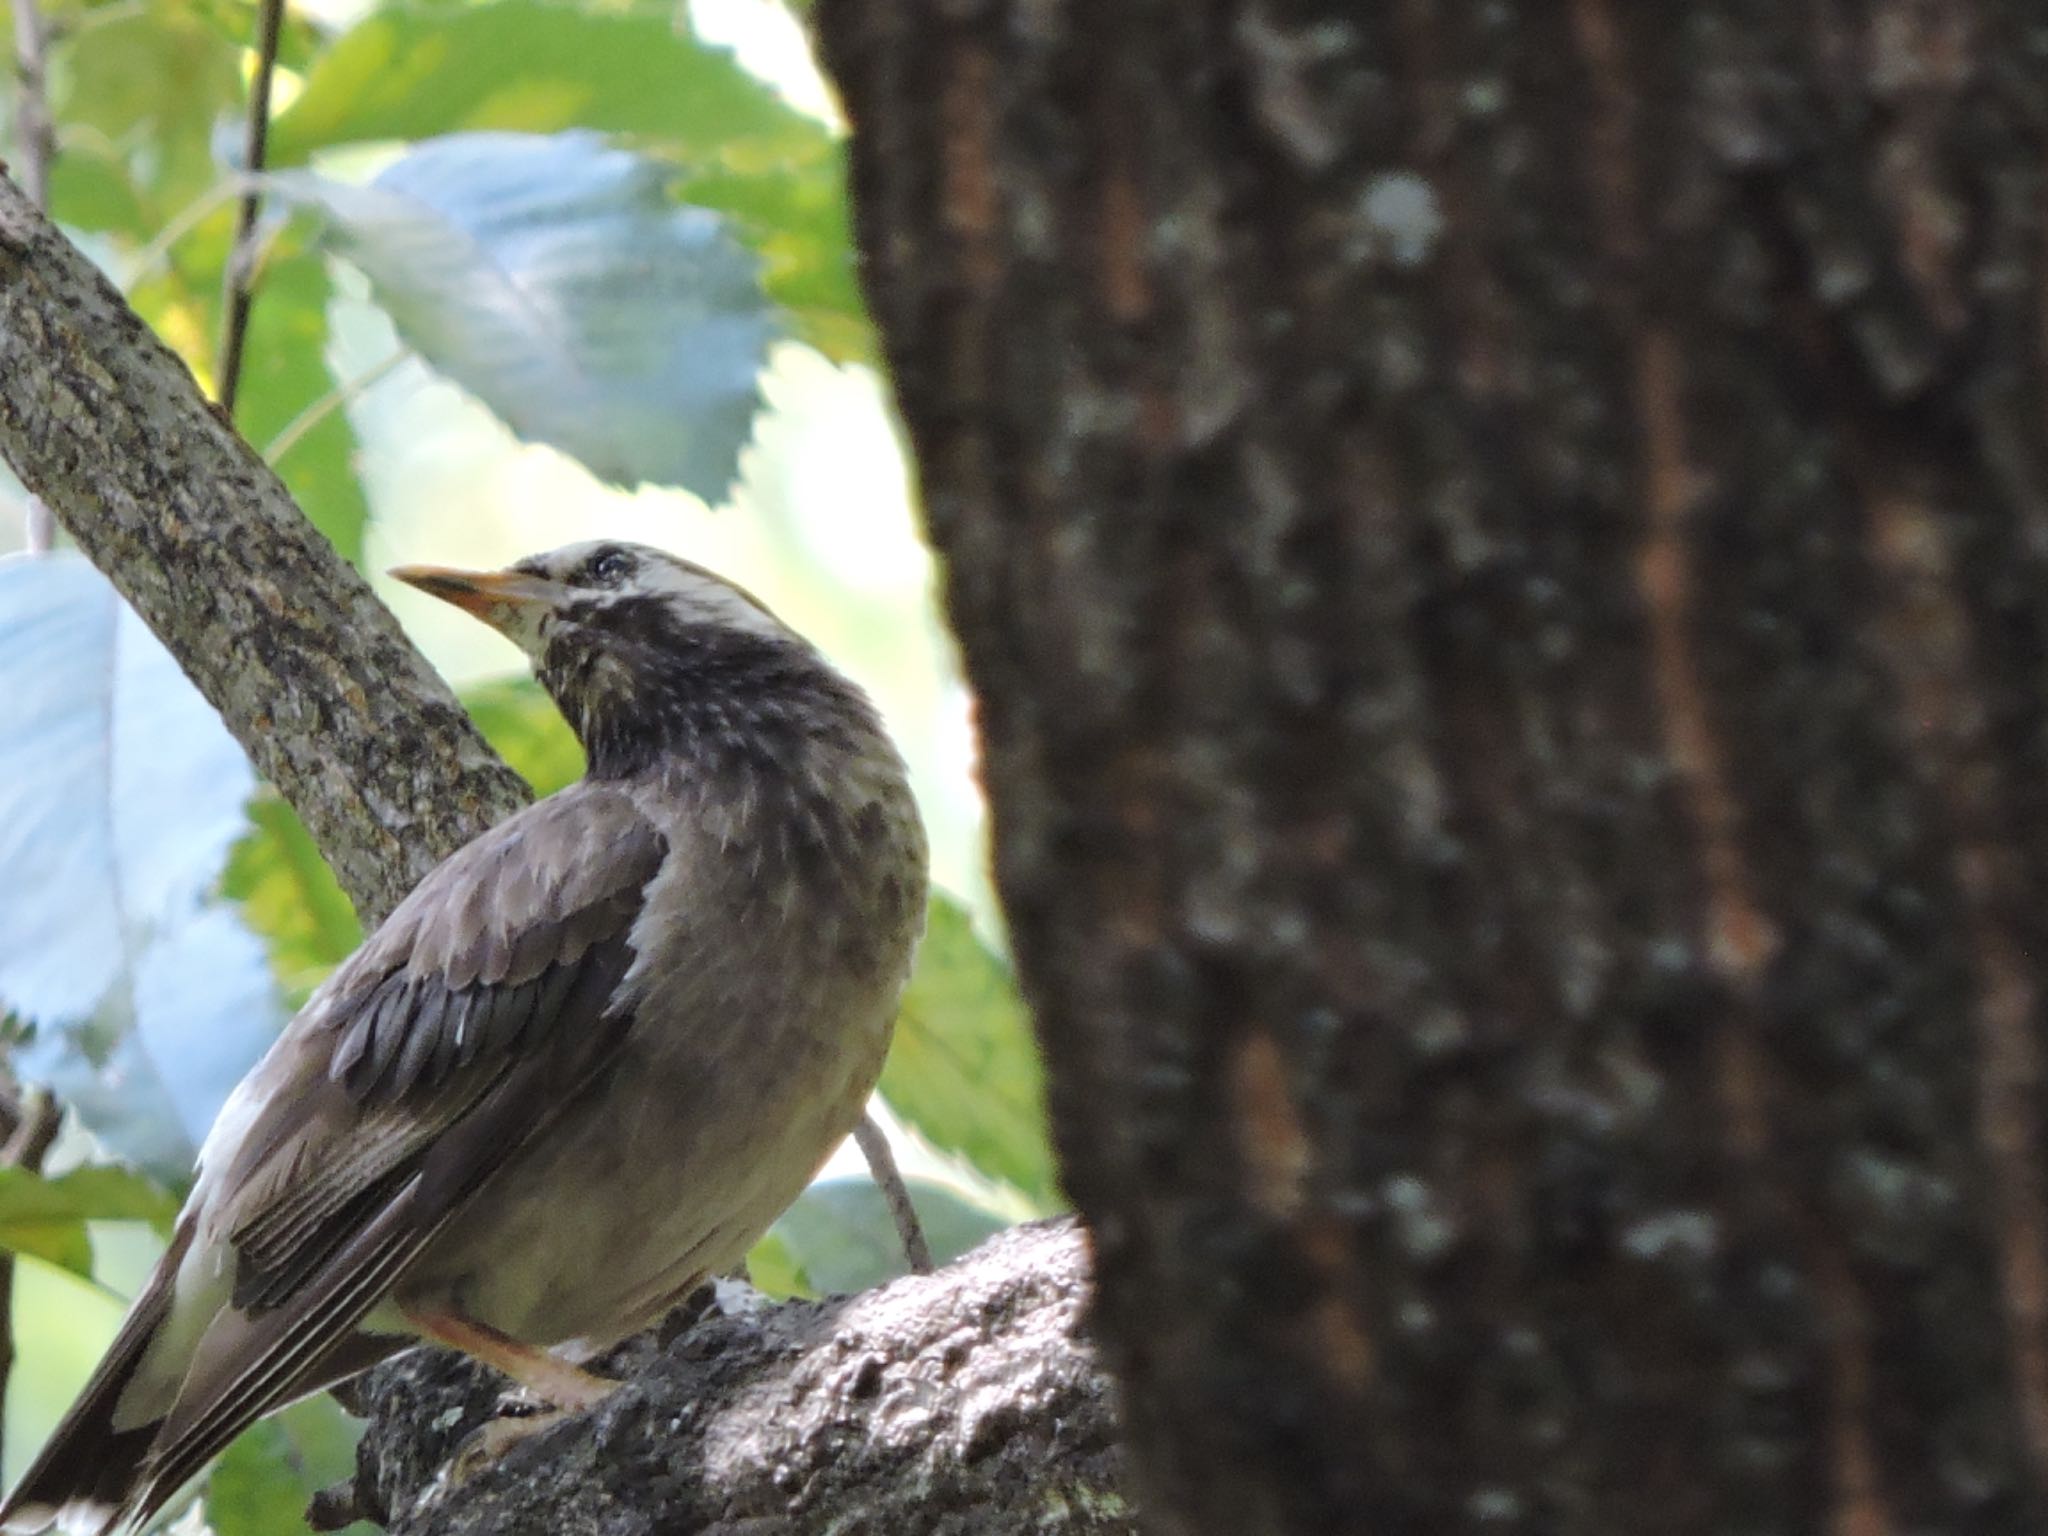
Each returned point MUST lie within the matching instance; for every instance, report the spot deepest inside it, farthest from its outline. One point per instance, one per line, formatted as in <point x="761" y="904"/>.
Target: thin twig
<point x="28" y="1123"/>
<point x="241" y="276"/>
<point x="35" y="1132"/>
<point x="36" y="1121"/>
<point x="39" y="529"/>
<point x="33" y="129"/>
<point x="874" y="1146"/>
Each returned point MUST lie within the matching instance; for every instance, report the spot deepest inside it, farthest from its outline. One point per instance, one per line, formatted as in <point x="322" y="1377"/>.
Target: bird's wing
<point x="484" y="1003"/>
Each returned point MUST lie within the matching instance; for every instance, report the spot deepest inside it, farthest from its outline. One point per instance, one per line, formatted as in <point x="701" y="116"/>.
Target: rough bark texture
<point x="954" y="1404"/>
<point x="309" y="670"/>
<point x="1503" y="550"/>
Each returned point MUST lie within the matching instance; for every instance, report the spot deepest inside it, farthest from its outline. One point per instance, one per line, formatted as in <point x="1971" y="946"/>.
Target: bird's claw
<point x="493" y="1438"/>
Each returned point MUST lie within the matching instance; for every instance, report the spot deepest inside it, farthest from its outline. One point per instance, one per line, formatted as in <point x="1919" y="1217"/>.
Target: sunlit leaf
<point x="298" y="37"/>
<point x="120" y="792"/>
<point x="964" y="1068"/>
<point x="148" y="83"/>
<point x="522" y="724"/>
<point x="793" y="214"/>
<point x="47" y="1217"/>
<point x="284" y="374"/>
<point x="290" y="897"/>
<point x="771" y="1267"/>
<point x="91" y="188"/>
<point x="839" y="1237"/>
<point x="554" y="280"/>
<point x="534" y="67"/>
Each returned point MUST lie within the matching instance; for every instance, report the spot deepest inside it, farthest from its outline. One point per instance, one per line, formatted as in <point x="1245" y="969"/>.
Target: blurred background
<point x="529" y="273"/>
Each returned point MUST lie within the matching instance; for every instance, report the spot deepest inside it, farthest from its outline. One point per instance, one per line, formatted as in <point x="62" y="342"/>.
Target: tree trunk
<point x="1504" y="554"/>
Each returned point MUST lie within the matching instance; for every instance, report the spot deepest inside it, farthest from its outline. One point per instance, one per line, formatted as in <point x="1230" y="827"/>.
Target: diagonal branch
<point x="309" y="670"/>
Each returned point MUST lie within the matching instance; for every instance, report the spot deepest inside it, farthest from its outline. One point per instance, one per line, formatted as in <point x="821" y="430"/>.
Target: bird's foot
<point x="488" y="1441"/>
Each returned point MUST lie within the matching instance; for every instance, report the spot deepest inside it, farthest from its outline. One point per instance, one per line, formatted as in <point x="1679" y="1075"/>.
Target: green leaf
<point x="298" y="39"/>
<point x="794" y="215"/>
<point x="120" y="792"/>
<point x="532" y="67"/>
<point x="554" y="280"/>
<point x="771" y="1267"/>
<point x="47" y="1217"/>
<point x="91" y="189"/>
<point x="289" y="896"/>
<point x="964" y="1069"/>
<point x="262" y="1483"/>
<point x="839" y="1237"/>
<point x="254" y="1489"/>
<point x="284" y="372"/>
<point x="148" y="83"/>
<point x="522" y="724"/>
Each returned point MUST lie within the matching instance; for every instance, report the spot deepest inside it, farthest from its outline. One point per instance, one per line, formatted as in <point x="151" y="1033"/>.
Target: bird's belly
<point x="599" y="1227"/>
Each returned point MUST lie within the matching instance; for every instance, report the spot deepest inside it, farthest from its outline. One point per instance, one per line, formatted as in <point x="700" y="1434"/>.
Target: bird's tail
<point x="94" y="1476"/>
<point x="85" y="1478"/>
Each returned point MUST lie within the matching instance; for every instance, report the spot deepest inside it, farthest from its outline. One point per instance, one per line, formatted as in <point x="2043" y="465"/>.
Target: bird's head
<point x="638" y="647"/>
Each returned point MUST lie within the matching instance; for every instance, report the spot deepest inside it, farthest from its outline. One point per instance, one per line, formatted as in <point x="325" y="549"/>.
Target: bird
<point x="577" y="1071"/>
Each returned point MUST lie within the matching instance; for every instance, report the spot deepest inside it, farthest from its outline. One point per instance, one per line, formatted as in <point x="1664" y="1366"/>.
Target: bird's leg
<point x="546" y="1376"/>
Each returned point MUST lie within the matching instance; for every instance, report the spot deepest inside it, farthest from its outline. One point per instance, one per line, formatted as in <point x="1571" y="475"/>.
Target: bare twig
<point x="241" y="292"/>
<point x="36" y="133"/>
<point x="874" y="1146"/>
<point x="39" y="528"/>
<point x="35" y="1131"/>
<point x="28" y="1123"/>
<point x="35" y="1121"/>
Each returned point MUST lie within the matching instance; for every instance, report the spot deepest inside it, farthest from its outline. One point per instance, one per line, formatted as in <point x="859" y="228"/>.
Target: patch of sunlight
<point x="75" y="1322"/>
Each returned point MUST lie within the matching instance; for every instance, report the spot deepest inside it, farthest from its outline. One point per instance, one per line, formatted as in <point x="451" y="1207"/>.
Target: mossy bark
<point x="1503" y="553"/>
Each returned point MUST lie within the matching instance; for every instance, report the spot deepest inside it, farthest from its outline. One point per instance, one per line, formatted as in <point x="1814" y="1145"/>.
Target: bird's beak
<point x="509" y="601"/>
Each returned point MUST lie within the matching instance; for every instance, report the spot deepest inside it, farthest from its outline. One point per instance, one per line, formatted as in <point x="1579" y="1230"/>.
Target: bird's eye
<point x="610" y="568"/>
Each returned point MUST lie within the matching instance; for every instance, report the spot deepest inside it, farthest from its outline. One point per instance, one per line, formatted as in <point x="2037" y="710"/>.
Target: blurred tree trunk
<point x="1504" y="553"/>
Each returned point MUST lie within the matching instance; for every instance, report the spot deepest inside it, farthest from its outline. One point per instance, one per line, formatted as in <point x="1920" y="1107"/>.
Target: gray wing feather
<point x="482" y="1004"/>
<point x="427" y="1019"/>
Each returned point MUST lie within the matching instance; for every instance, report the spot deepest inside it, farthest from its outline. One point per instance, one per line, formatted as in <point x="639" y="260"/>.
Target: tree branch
<point x="955" y="1402"/>
<point x="309" y="670"/>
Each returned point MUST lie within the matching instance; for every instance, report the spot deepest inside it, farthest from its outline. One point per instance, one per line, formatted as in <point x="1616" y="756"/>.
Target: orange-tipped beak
<point x="509" y="601"/>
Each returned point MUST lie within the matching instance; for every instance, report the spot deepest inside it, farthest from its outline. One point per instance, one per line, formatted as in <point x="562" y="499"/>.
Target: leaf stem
<point x="241" y="291"/>
<point x="319" y="410"/>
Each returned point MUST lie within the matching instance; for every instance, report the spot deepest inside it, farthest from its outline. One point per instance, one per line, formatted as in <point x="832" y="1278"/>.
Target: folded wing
<point x="487" y="1001"/>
